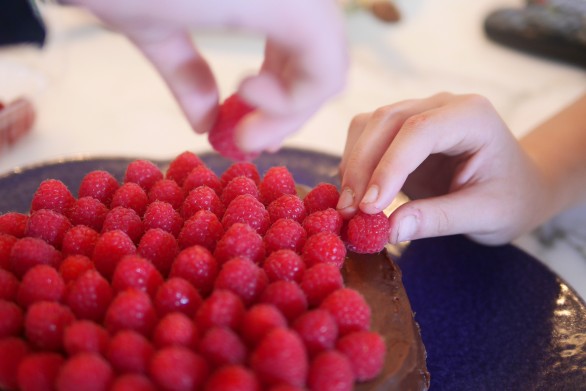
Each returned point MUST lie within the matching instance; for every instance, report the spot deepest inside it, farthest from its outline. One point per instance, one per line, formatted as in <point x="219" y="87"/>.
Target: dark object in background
<point x="20" y="23"/>
<point x="554" y="29"/>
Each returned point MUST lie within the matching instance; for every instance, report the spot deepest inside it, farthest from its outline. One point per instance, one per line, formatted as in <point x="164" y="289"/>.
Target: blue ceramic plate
<point x="492" y="318"/>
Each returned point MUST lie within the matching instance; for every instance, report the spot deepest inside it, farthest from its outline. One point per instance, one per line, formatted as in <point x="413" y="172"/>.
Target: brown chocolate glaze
<point x="379" y="280"/>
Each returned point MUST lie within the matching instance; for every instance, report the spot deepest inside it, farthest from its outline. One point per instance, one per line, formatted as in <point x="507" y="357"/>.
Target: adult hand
<point x="457" y="161"/>
<point x="305" y="57"/>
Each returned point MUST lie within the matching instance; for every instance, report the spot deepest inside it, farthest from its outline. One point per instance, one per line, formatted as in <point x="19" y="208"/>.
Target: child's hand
<point x="455" y="158"/>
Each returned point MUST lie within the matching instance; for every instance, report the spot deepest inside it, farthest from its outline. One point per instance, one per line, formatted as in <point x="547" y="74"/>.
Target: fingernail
<point x="346" y="198"/>
<point x="371" y="195"/>
<point x="407" y="228"/>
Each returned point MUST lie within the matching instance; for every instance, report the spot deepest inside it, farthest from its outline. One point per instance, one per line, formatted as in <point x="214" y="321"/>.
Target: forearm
<point x="558" y="148"/>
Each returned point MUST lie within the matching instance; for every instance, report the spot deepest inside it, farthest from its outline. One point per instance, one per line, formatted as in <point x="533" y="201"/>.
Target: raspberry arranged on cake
<point x="187" y="279"/>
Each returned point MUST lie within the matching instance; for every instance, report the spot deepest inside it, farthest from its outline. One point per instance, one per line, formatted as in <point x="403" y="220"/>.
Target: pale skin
<point x="462" y="168"/>
<point x="305" y="59"/>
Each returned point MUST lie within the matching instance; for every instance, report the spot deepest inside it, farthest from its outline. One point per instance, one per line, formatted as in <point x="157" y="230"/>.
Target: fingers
<point x="188" y="76"/>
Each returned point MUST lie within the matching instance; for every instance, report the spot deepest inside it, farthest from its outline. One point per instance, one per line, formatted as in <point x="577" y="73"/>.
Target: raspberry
<point x="85" y="371"/>
<point x="131" y="309"/>
<point x="350" y="310"/>
<point x="244" y="278"/>
<point x="318" y="330"/>
<point x="240" y="240"/>
<point x="221" y="346"/>
<point x="167" y="190"/>
<point x="54" y="195"/>
<point x="202" y="176"/>
<point x="98" y="184"/>
<point x="222" y="309"/>
<point x="144" y="173"/>
<point x="88" y="211"/>
<point x="9" y="285"/>
<point x="80" y="239"/>
<point x="285" y="234"/>
<point x="319" y="281"/>
<point x="6" y="243"/>
<point x="367" y="234"/>
<point x="13" y="223"/>
<point x="85" y="336"/>
<point x="276" y="182"/>
<point x="177" y="368"/>
<point x="248" y="210"/>
<point x="287" y="206"/>
<point x="48" y="225"/>
<point x="221" y="135"/>
<point x="162" y="215"/>
<point x="327" y="220"/>
<point x="321" y="197"/>
<point x="232" y="378"/>
<point x="181" y="166"/>
<point x="110" y="248"/>
<point x="131" y="195"/>
<point x="324" y="247"/>
<point x="132" y="382"/>
<point x="176" y="328"/>
<point x="40" y="283"/>
<point x="89" y="296"/>
<point x="134" y="271"/>
<point x="203" y="228"/>
<point x="280" y="357"/>
<point x="197" y="265"/>
<point x="74" y="266"/>
<point x="239" y="186"/>
<point x="129" y="352"/>
<point x="38" y="371"/>
<point x="331" y="371"/>
<point x="259" y="320"/>
<point x="237" y="169"/>
<point x="159" y="247"/>
<point x="45" y="322"/>
<point x="366" y="351"/>
<point x="286" y="387"/>
<point x="12" y="352"/>
<point x="125" y="220"/>
<point x="287" y="296"/>
<point x="11" y="319"/>
<point x="29" y="252"/>
<point x="177" y="295"/>
<point x="284" y="265"/>
<point x="202" y="198"/>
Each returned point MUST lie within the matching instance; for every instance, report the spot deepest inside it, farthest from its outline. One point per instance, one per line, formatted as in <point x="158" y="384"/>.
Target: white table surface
<point x="96" y="95"/>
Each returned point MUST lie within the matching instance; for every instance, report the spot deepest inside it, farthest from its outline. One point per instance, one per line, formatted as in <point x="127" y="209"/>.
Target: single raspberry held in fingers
<point x="287" y="206"/>
<point x="38" y="371"/>
<point x="259" y="320"/>
<point x="132" y="382"/>
<point x="330" y="371"/>
<point x="74" y="266"/>
<point x="132" y="310"/>
<point x="222" y="309"/>
<point x="222" y="134"/>
<point x="40" y="283"/>
<point x="133" y="271"/>
<point x="100" y="185"/>
<point x="366" y="351"/>
<point x="248" y="210"/>
<point x="54" y="195"/>
<point x="129" y="352"/>
<point x="110" y="248"/>
<point x="327" y="220"/>
<point x="202" y="198"/>
<point x="203" y="229"/>
<point x="276" y="182"/>
<point x="11" y="319"/>
<point x="9" y="285"/>
<point x="239" y="186"/>
<point x="89" y="296"/>
<point x="318" y="330"/>
<point x="321" y="197"/>
<point x="202" y="176"/>
<point x="88" y="211"/>
<point x="181" y="166"/>
<point x="221" y="346"/>
<point x="12" y="352"/>
<point x="351" y="311"/>
<point x="287" y="296"/>
<point x="178" y="368"/>
<point x="14" y="224"/>
<point x="85" y="336"/>
<point x="6" y="243"/>
<point x="167" y="190"/>
<point x="80" y="239"/>
<point x="162" y="215"/>
<point x="160" y="247"/>
<point x="85" y="371"/>
<point x="131" y="195"/>
<point x="197" y="265"/>
<point x="324" y="247"/>
<point x="29" y="252"/>
<point x="48" y="225"/>
<point x="144" y="173"/>
<point x="280" y="357"/>
<point x="177" y="295"/>
<point x="44" y="324"/>
<point x="125" y="220"/>
<point x="319" y="281"/>
<point x="176" y="328"/>
<point x="240" y="240"/>
<point x="367" y="234"/>
<point x="237" y="169"/>
<point x="243" y="277"/>
<point x="284" y="265"/>
<point x="285" y="234"/>
<point x="233" y="378"/>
